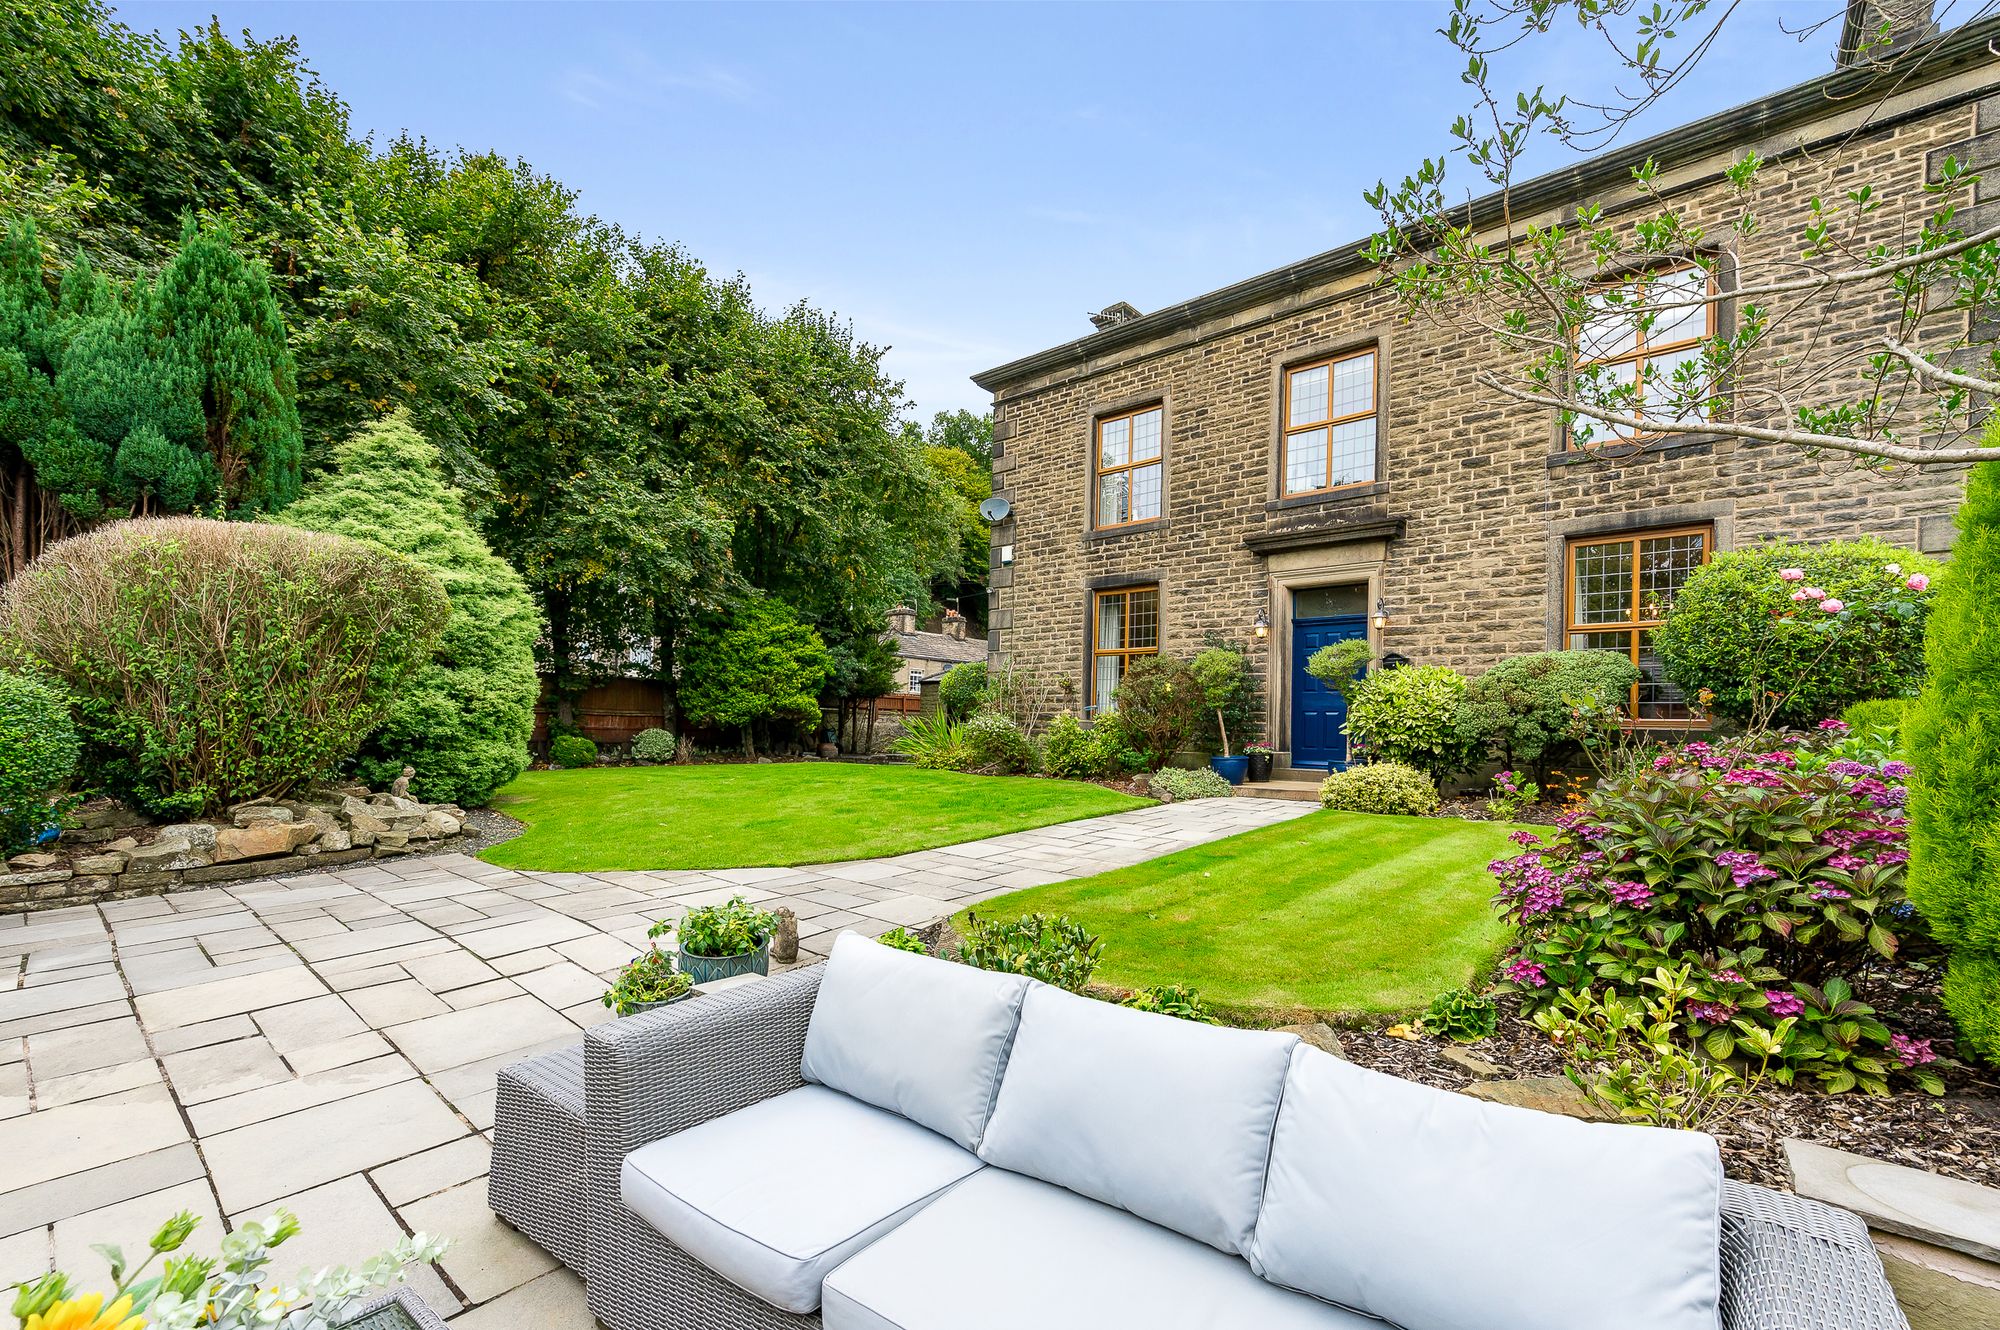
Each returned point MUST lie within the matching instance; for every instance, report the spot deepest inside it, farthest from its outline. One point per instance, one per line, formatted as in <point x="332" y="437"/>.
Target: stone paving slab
<point x="329" y="1041"/>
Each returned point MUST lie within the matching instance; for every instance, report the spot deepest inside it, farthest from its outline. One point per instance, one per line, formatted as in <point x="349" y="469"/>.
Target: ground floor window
<point x="1618" y="590"/>
<point x="1123" y="624"/>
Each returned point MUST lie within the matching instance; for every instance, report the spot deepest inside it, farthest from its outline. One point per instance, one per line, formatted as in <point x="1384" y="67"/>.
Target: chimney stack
<point x="902" y="619"/>
<point x="953" y="625"/>
<point x="1863" y="44"/>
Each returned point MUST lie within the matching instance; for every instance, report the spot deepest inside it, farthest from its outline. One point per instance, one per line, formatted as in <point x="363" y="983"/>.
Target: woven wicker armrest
<point x="1789" y="1263"/>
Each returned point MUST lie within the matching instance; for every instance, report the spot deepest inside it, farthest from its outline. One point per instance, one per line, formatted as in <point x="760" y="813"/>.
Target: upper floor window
<point x="1124" y="623"/>
<point x="1641" y="332"/>
<point x="1129" y="471"/>
<point x="1330" y="424"/>
<point x="1619" y="589"/>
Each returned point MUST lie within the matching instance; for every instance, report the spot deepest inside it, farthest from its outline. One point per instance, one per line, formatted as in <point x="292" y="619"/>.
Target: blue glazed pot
<point x="634" y="1008"/>
<point x="1231" y="769"/>
<point x="708" y="969"/>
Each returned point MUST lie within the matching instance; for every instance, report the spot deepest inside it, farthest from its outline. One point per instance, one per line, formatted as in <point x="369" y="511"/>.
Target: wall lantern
<point x="1381" y="613"/>
<point x="1261" y="625"/>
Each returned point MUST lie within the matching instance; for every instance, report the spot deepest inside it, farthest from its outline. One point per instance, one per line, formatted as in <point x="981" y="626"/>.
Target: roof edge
<point x="1960" y="49"/>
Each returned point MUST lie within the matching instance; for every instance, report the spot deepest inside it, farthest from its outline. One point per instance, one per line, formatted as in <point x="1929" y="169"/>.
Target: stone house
<point x="1287" y="461"/>
<point x="926" y="655"/>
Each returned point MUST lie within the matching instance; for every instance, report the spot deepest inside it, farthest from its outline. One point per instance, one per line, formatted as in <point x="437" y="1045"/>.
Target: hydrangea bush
<point x="1773" y="867"/>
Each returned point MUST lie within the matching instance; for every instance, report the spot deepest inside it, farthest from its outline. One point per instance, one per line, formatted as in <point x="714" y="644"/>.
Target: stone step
<point x="1313" y="774"/>
<point x="1298" y="791"/>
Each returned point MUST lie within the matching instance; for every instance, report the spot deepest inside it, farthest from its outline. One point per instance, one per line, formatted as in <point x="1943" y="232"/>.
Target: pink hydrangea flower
<point x="1727" y="977"/>
<point x="1911" y="1052"/>
<point x="1781" y="1003"/>
<point x="1835" y="726"/>
<point x="1526" y="972"/>
<point x="1792" y="574"/>
<point x="1918" y="582"/>
<point x="1711" y="1013"/>
<point x="1833" y="606"/>
<point x="1634" y="894"/>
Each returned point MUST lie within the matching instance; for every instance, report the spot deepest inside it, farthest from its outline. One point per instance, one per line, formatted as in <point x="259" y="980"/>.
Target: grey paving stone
<point x="395" y="1003"/>
<point x="96" y="1083"/>
<point x="228" y="997"/>
<point x="434" y="1170"/>
<point x="256" y="1164"/>
<point x="217" y="1071"/>
<point x="438" y="1042"/>
<point x="129" y="1223"/>
<point x="86" y="1047"/>
<point x="486" y="1258"/>
<point x="340" y="1223"/>
<point x="77" y="1193"/>
<point x="75" y="1138"/>
<point x="181" y="1037"/>
<point x="303" y="1092"/>
<point x="1945" y="1212"/>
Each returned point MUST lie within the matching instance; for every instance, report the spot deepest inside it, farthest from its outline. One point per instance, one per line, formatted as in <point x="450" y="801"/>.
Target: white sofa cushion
<point x="1002" y="1252"/>
<point x="1166" y="1118"/>
<point x="773" y="1196"/>
<point x="921" y="1037"/>
<point x="1438" y="1211"/>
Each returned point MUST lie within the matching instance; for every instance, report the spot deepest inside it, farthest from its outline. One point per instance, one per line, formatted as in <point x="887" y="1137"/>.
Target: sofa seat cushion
<point x="1437" y="1211"/>
<point x="1168" y="1119"/>
<point x="773" y="1196"/>
<point x="1001" y="1251"/>
<point x="924" y="1038"/>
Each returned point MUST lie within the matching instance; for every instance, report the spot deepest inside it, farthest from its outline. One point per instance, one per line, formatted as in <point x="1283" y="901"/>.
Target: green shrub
<point x="902" y="939"/>
<point x="1380" y="787"/>
<point x="1159" y="707"/>
<point x="757" y="664"/>
<point x="728" y="929"/>
<point x="1075" y="752"/>
<point x="1415" y="716"/>
<point x="962" y="688"/>
<point x="998" y="746"/>
<point x="1771" y="871"/>
<point x="1175" y="1000"/>
<point x="1179" y="784"/>
<point x="214" y="662"/>
<point x="1462" y="1015"/>
<point x="1524" y="709"/>
<point x="935" y="742"/>
<point x="1052" y="948"/>
<point x="654" y="745"/>
<point x="1952" y="733"/>
<point x="1882" y="717"/>
<point x="1745" y="629"/>
<point x="572" y="750"/>
<point x="648" y="977"/>
<point x="38" y="755"/>
<point x="1223" y="675"/>
<point x="464" y="719"/>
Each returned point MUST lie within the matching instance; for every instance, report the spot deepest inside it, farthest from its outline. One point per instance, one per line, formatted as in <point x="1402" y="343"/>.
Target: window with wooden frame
<point x="1123" y="624"/>
<point x="1329" y="427"/>
<point x="1130" y="471"/>
<point x="1617" y="341"/>
<point x="1618" y="590"/>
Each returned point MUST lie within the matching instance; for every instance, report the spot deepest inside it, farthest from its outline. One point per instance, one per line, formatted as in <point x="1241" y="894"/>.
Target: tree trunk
<point x="874" y="705"/>
<point x="666" y="631"/>
<point x="556" y="603"/>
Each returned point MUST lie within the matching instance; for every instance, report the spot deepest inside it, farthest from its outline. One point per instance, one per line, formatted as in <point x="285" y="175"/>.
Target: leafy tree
<point x="1952" y="733"/>
<point x="755" y="665"/>
<point x="1895" y="369"/>
<point x="463" y="720"/>
<point x="967" y="433"/>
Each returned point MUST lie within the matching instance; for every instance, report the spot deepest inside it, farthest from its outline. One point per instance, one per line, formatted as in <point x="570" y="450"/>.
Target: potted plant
<point x="648" y="980"/>
<point x="1218" y="672"/>
<point x="1260" y="756"/>
<point x="718" y="941"/>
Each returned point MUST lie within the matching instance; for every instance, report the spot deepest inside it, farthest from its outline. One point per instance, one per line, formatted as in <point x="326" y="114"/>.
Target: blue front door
<point x="1319" y="711"/>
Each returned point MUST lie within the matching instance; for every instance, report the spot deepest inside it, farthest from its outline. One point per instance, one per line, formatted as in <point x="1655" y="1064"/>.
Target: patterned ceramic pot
<point x="708" y="969"/>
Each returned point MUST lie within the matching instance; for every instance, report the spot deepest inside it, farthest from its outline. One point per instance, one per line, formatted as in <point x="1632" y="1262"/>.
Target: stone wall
<point x="109" y="852"/>
<point x="1462" y="534"/>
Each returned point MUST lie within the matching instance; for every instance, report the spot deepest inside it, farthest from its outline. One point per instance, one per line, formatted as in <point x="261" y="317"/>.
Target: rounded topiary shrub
<point x="654" y="745"/>
<point x="1952" y="734"/>
<point x="213" y="662"/>
<point x="38" y="755"/>
<point x="1526" y="707"/>
<point x="1414" y="715"/>
<point x="962" y="688"/>
<point x="572" y="750"/>
<point x="1179" y="784"/>
<point x="1797" y="633"/>
<point x="998" y="746"/>
<point x="464" y="719"/>
<point x="1380" y="787"/>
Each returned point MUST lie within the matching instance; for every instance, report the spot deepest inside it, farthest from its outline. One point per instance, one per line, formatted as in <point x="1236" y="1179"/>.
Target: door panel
<point x="1319" y="711"/>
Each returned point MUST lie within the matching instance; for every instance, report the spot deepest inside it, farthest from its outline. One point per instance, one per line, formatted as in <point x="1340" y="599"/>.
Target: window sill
<point x="1699" y="445"/>
<point x="1328" y="498"/>
<point x="1099" y="534"/>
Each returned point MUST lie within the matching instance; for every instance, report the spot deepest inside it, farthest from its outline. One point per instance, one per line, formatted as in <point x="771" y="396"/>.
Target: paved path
<point x="328" y="1042"/>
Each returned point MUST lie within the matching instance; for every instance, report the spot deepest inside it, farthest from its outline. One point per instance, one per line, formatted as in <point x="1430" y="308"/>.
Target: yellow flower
<point x="84" y="1314"/>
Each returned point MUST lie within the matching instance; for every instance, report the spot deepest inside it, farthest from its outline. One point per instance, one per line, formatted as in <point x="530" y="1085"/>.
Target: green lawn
<point x="746" y="815"/>
<point x="1334" y="913"/>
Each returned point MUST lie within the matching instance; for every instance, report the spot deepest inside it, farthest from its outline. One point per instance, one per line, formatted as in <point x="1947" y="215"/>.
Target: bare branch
<point x="1923" y="368"/>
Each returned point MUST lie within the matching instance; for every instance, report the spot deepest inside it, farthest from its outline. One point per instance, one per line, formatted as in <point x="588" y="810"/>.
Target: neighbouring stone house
<point x="1286" y="461"/>
<point x="926" y="655"/>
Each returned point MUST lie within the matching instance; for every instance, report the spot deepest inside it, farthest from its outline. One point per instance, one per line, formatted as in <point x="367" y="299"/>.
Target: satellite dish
<point x="995" y="509"/>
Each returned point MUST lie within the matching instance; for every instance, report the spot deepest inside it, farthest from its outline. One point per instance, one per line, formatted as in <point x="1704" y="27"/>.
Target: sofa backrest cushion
<point x="1437" y="1211"/>
<point x="1166" y="1119"/>
<point x="913" y="1034"/>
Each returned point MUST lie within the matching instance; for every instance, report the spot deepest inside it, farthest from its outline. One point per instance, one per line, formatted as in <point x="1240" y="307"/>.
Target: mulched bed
<point x="1957" y="1136"/>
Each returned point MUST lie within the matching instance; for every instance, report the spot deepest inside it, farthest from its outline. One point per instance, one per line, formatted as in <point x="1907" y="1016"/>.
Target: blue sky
<point x="965" y="182"/>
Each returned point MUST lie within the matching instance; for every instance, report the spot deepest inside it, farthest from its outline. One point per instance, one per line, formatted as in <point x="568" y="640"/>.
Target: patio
<point x="329" y="1042"/>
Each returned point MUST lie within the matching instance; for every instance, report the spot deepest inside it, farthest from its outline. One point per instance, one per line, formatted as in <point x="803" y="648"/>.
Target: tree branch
<point x="1924" y="369"/>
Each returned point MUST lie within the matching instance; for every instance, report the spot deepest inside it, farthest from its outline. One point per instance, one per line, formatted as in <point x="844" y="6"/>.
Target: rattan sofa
<point x="1780" y="1262"/>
